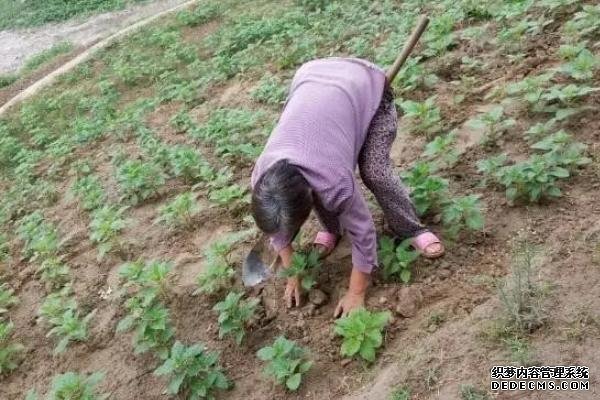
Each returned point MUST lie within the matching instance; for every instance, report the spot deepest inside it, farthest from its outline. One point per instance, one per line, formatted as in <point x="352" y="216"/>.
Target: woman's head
<point x="281" y="200"/>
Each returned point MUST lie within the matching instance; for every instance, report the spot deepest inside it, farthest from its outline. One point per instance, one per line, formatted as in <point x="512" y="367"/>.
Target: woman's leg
<point x="377" y="171"/>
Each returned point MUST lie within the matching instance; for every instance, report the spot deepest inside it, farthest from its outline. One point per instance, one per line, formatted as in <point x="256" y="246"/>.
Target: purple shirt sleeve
<point x="357" y="221"/>
<point x="279" y="241"/>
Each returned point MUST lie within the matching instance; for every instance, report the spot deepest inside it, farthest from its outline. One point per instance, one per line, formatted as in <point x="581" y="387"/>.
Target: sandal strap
<point x="421" y="241"/>
<point x="326" y="239"/>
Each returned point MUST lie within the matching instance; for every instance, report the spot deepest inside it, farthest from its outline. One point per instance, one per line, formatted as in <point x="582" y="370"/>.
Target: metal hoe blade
<point x="254" y="269"/>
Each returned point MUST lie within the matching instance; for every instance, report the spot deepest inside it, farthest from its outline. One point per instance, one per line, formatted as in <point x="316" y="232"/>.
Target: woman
<point x="340" y="113"/>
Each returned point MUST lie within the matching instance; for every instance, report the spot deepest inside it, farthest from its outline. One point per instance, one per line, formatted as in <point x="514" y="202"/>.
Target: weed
<point x="287" y="362"/>
<point x="493" y="124"/>
<point x="105" y="226"/>
<point x="520" y="351"/>
<point x="362" y="333"/>
<point x="234" y="314"/>
<point x="402" y="393"/>
<point x="424" y="116"/>
<point x="7" y="298"/>
<point x="520" y="295"/>
<point x="462" y="212"/>
<point x="139" y="180"/>
<point x="9" y="351"/>
<point x="427" y="190"/>
<point x="193" y="371"/>
<point x="74" y="386"/>
<point x="396" y="260"/>
<point x="469" y="392"/>
<point x="180" y="211"/>
<point x="304" y="266"/>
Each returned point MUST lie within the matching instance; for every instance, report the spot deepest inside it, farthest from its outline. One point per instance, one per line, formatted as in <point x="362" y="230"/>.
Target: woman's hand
<point x="293" y="289"/>
<point x="293" y="292"/>
<point x="350" y="301"/>
<point x="355" y="296"/>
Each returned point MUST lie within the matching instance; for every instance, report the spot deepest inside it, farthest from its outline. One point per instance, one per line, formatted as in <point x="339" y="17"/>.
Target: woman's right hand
<point x="293" y="292"/>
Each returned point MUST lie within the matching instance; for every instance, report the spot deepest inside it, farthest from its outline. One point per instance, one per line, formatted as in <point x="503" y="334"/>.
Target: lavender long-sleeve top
<point x="321" y="131"/>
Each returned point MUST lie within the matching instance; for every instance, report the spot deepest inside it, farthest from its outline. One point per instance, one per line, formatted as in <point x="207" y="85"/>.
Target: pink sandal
<point x="422" y="241"/>
<point x="327" y="240"/>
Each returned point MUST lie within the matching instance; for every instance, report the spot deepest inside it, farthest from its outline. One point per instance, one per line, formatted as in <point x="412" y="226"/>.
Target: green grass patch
<point x="24" y="14"/>
<point x="47" y="55"/>
<point x="7" y="80"/>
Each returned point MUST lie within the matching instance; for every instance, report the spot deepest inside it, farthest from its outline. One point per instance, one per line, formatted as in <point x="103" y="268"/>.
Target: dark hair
<point x="281" y="200"/>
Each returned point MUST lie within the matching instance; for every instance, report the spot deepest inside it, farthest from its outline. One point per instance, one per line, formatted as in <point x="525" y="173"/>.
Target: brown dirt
<point x="459" y="287"/>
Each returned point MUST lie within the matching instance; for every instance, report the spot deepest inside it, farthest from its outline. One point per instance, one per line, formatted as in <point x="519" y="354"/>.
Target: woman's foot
<point x="428" y="245"/>
<point x="325" y="243"/>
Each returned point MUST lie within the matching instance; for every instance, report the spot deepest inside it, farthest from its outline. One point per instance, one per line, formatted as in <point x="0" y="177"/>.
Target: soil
<point x="431" y="355"/>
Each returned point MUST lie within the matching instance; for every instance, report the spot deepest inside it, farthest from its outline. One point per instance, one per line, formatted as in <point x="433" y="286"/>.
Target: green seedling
<point x="193" y="372"/>
<point x="287" y="362"/>
<point x="442" y="149"/>
<point x="214" y="278"/>
<point x="396" y="260"/>
<point x="532" y="180"/>
<point x="462" y="212"/>
<point x="89" y="191"/>
<point x="234" y="314"/>
<point x="531" y="88"/>
<point x="139" y="180"/>
<point x="226" y="196"/>
<point x="362" y="333"/>
<point x="41" y="238"/>
<point x="60" y="311"/>
<point x="304" y="266"/>
<point x="105" y="227"/>
<point x="489" y="167"/>
<point x="151" y="324"/>
<point x="424" y="116"/>
<point x="200" y="14"/>
<point x="414" y="76"/>
<point x="540" y="130"/>
<point x="7" y="298"/>
<point x="9" y="351"/>
<point x="582" y="67"/>
<point x="585" y="22"/>
<point x="74" y="386"/>
<point x="439" y="36"/>
<point x="180" y="211"/>
<point x="563" y="151"/>
<point x="187" y="163"/>
<point x="269" y="91"/>
<point x="146" y="314"/>
<point x="54" y="273"/>
<point x="493" y="124"/>
<point x="427" y="190"/>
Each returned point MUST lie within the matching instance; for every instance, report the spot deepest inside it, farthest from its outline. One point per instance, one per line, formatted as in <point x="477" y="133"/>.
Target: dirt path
<point x="18" y="45"/>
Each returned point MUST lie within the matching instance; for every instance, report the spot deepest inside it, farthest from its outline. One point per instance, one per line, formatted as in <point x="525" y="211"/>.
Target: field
<point x="124" y="213"/>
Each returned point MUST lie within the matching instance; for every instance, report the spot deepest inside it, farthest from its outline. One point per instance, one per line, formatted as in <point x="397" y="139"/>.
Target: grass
<point x="25" y="14"/>
<point x="7" y="80"/>
<point x="46" y="56"/>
